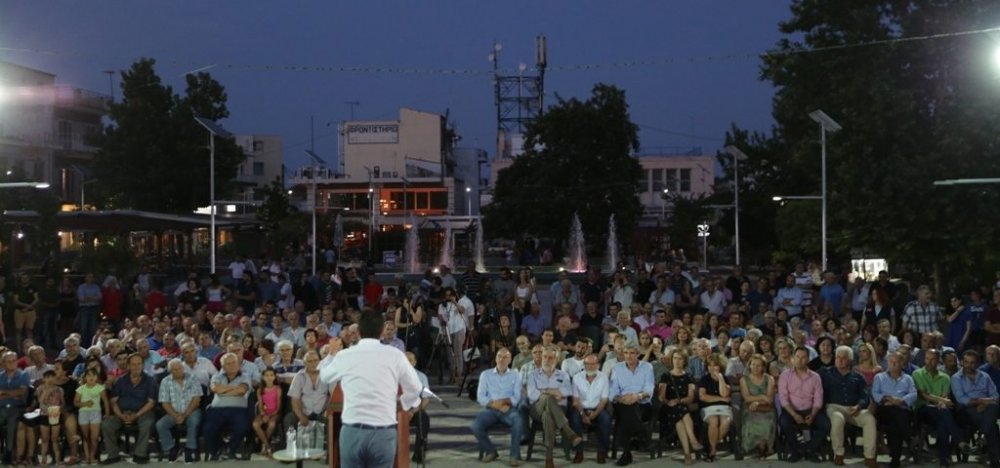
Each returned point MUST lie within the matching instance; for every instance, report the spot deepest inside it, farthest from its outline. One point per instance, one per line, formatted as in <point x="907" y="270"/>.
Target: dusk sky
<point x="704" y="79"/>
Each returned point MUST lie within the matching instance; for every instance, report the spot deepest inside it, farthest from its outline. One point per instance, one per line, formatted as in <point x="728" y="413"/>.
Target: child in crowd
<point x="268" y="409"/>
<point x="90" y="398"/>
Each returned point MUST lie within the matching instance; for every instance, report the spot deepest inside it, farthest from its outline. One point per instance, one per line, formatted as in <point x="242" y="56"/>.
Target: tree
<point x="913" y="111"/>
<point x="577" y="160"/>
<point x="275" y="212"/>
<point x="154" y="156"/>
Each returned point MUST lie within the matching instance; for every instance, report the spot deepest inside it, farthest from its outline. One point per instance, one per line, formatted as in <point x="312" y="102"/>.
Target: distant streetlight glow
<point x="996" y="63"/>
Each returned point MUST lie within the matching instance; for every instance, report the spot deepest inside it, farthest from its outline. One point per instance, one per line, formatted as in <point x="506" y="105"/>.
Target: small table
<point x="298" y="456"/>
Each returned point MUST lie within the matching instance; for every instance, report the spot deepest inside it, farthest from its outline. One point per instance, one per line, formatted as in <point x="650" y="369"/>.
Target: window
<point x="672" y="180"/>
<point x="65" y="134"/>
<point x="258" y="168"/>
<point x="685" y="180"/>
<point x="258" y="146"/>
<point x="439" y="200"/>
<point x="644" y="181"/>
<point x="423" y="200"/>
<point x="657" y="180"/>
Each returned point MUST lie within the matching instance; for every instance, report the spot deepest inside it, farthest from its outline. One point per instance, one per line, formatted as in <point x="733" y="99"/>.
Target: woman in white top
<point x="525" y="288"/>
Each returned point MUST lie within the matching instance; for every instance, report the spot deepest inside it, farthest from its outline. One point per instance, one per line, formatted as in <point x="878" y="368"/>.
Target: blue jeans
<point x="238" y="421"/>
<point x="947" y="432"/>
<point x="603" y="422"/>
<point x="491" y="417"/>
<point x="367" y="448"/>
<point x="86" y="321"/>
<point x="166" y="423"/>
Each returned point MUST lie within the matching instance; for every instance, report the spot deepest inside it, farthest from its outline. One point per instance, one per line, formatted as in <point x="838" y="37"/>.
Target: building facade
<point x="393" y="172"/>
<point x="43" y="129"/>
<point x="264" y="163"/>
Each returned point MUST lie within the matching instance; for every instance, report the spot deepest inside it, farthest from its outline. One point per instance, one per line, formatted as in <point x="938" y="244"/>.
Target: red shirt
<point x="111" y="303"/>
<point x="155" y="300"/>
<point x="373" y="292"/>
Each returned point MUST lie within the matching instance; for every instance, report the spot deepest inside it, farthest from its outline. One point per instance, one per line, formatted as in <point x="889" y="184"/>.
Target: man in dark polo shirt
<point x="132" y="400"/>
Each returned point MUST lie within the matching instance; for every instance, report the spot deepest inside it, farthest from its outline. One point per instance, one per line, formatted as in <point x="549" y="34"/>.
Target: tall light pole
<point x="737" y="157"/>
<point x="318" y="164"/>
<point x="371" y="207"/>
<point x="703" y="233"/>
<point x="468" y="201"/>
<point x="826" y="124"/>
<point x="663" y="206"/>
<point x="214" y="130"/>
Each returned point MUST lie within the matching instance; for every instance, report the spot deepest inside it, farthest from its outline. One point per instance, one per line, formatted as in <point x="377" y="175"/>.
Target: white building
<point x="43" y="126"/>
<point x="263" y="164"/>
<point x="390" y="170"/>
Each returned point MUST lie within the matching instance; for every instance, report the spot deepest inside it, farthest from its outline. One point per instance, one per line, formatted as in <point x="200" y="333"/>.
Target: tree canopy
<point x="913" y="111"/>
<point x="577" y="160"/>
<point x="154" y="155"/>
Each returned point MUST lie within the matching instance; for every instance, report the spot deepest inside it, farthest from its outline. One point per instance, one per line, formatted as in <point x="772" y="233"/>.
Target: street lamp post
<point x="663" y="206"/>
<point x="318" y="164"/>
<point x="826" y="124"/>
<point x="468" y="201"/>
<point x="214" y="130"/>
<point x="703" y="233"/>
<point x="737" y="157"/>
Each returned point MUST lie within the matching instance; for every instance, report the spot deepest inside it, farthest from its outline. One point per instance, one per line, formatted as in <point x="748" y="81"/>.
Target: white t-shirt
<point x="237" y="269"/>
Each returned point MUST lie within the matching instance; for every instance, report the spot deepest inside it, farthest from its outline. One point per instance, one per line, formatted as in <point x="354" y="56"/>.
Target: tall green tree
<point x="577" y="160"/>
<point x="153" y="155"/>
<point x="913" y="111"/>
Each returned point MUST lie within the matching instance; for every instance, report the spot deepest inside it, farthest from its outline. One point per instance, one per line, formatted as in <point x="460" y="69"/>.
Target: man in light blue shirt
<point x="789" y="297"/>
<point x="499" y="393"/>
<point x="631" y="390"/>
<point x="977" y="398"/>
<point x="895" y="393"/>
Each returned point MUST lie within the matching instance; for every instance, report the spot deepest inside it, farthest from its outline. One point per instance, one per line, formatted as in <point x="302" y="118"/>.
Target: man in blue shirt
<point x="13" y="391"/>
<point x="977" y="397"/>
<point x="846" y="398"/>
<point x="499" y="393"/>
<point x="132" y="401"/>
<point x="832" y="293"/>
<point x="630" y="390"/>
<point x="895" y="393"/>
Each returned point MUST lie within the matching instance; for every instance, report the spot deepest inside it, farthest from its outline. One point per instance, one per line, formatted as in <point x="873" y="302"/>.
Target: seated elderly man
<point x="133" y="399"/>
<point x="308" y="394"/>
<point x="180" y="397"/>
<point x="846" y="396"/>
<point x="630" y="390"/>
<point x="590" y="402"/>
<point x="548" y="390"/>
<point x="199" y="368"/>
<point x="499" y="393"/>
<point x="229" y="408"/>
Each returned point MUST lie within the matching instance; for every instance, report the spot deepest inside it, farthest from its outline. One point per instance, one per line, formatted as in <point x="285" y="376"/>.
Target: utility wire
<point x="396" y="70"/>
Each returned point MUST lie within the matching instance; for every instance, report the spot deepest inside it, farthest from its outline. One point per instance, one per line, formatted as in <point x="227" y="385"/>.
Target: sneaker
<point x="111" y="460"/>
<point x="189" y="457"/>
<point x="172" y="454"/>
<point x="140" y="460"/>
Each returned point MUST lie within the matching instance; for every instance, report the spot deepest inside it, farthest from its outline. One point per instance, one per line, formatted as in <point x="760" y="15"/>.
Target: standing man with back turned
<point x="370" y="375"/>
